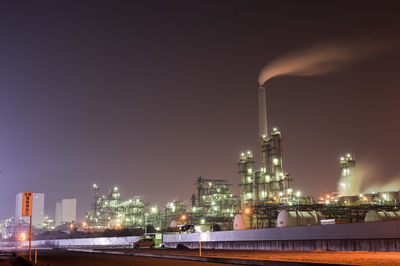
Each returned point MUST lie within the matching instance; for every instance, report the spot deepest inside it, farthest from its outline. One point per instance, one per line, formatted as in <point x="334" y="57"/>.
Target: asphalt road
<point x="59" y="257"/>
<point x="7" y="258"/>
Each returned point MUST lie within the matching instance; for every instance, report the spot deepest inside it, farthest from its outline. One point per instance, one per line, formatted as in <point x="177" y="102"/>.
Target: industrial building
<point x="37" y="209"/>
<point x="109" y="211"/>
<point x="65" y="211"/>
<point x="215" y="196"/>
<point x="215" y="206"/>
<point x="266" y="191"/>
<point x="269" y="183"/>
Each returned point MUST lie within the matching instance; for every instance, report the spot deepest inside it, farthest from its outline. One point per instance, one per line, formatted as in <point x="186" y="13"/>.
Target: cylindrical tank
<point x="381" y="216"/>
<point x="298" y="218"/>
<point x="241" y="222"/>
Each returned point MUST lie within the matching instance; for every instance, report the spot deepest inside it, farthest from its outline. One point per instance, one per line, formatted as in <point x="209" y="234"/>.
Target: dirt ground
<point x="334" y="257"/>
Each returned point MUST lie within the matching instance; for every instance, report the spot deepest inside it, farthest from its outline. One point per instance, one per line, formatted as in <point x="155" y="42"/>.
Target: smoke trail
<point x="362" y="176"/>
<point x="392" y="185"/>
<point x="323" y="58"/>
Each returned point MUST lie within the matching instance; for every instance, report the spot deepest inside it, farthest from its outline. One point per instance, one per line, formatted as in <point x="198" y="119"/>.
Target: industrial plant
<point x="267" y="199"/>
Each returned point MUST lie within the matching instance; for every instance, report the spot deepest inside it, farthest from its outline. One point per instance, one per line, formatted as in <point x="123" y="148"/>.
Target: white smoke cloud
<point x="362" y="176"/>
<point x="324" y="58"/>
<point x="392" y="185"/>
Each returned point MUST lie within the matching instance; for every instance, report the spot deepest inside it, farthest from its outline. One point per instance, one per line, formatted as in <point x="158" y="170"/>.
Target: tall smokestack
<point x="262" y="123"/>
<point x="262" y="113"/>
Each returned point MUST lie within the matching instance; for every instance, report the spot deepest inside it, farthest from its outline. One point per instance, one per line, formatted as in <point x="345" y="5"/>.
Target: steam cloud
<point x="323" y="58"/>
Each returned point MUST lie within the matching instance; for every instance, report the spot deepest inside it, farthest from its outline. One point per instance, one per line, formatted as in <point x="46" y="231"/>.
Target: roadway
<point x="61" y="257"/>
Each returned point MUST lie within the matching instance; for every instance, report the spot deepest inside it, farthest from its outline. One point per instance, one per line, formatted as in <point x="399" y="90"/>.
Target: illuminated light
<point x="153" y="209"/>
<point x="248" y="152"/>
<point x="22" y="236"/>
<point x="115" y="188"/>
<point x="94" y="186"/>
<point x="84" y="224"/>
<point x="280" y="194"/>
<point x="275" y="161"/>
<point x="247" y="211"/>
<point x="328" y="196"/>
<point x="361" y="195"/>
<point x="275" y="129"/>
<point x="248" y="195"/>
<point x="71" y="226"/>
<point x="210" y="184"/>
<point x="322" y="198"/>
<point x="327" y="202"/>
<point x="365" y="198"/>
<point x="298" y="194"/>
<point x="202" y="221"/>
<point x="242" y="154"/>
<point x="183" y="217"/>
<point x="290" y="191"/>
<point x="384" y="196"/>
<point x="348" y="155"/>
<point x="249" y="170"/>
<point x="249" y="178"/>
<point x="267" y="178"/>
<point x="263" y="136"/>
<point x="342" y="158"/>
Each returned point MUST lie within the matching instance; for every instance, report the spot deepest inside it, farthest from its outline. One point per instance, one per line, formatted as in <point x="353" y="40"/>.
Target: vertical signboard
<point x="27" y="198"/>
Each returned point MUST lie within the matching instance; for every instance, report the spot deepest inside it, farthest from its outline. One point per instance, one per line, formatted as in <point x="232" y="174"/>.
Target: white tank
<point x="381" y="216"/>
<point x="240" y="222"/>
<point x="298" y="218"/>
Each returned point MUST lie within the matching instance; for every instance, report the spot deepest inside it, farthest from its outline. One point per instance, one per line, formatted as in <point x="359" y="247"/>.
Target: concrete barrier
<point x="83" y="242"/>
<point x="379" y="236"/>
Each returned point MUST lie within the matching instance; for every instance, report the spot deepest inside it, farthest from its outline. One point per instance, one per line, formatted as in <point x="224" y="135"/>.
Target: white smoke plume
<point x="324" y="58"/>
<point x="392" y="185"/>
<point x="366" y="179"/>
<point x="361" y="176"/>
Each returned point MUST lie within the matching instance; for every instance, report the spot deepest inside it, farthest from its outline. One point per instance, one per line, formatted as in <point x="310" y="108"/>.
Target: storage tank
<point x="381" y="216"/>
<point x="241" y="222"/>
<point x="298" y="218"/>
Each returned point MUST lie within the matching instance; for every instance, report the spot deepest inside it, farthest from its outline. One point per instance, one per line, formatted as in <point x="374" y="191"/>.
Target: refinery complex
<point x="267" y="199"/>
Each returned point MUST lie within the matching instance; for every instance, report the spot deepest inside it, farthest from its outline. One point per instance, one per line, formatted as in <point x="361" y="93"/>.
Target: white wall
<point x="37" y="208"/>
<point x="65" y="211"/>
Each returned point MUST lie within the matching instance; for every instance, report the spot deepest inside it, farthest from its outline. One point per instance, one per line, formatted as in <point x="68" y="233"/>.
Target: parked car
<point x="144" y="243"/>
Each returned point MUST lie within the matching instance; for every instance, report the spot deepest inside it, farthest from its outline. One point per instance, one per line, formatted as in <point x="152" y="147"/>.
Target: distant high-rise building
<point x="37" y="209"/>
<point x="65" y="211"/>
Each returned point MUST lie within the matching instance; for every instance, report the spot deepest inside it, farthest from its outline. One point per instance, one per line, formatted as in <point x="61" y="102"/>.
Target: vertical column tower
<point x="347" y="167"/>
<point x="245" y="169"/>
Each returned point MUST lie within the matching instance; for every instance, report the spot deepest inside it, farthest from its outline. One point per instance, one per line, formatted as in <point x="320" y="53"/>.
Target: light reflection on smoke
<point x="324" y="58"/>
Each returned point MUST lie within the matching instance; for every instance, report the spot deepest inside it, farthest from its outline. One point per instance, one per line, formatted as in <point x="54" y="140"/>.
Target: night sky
<point x="147" y="96"/>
